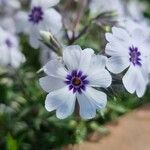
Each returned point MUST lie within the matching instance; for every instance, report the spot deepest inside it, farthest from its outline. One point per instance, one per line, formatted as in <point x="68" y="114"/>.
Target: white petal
<point x="89" y="101"/>
<point x="129" y="80"/>
<point x="138" y="36"/>
<point x="120" y="33"/>
<point x="134" y="81"/>
<point x="141" y="84"/>
<point x="62" y="100"/>
<point x="100" y="78"/>
<point x="8" y="24"/>
<point x="97" y="74"/>
<point x="52" y="21"/>
<point x="5" y="55"/>
<point x="98" y="61"/>
<point x="110" y="37"/>
<point x="85" y="60"/>
<point x="55" y="68"/>
<point x="117" y="64"/>
<point x="16" y="58"/>
<point x="118" y="45"/>
<point x="34" y="39"/>
<point x="49" y="83"/>
<point x="67" y="108"/>
<point x="22" y="23"/>
<point x="44" y="3"/>
<point x="14" y="4"/>
<point x="71" y="56"/>
<point x="116" y="49"/>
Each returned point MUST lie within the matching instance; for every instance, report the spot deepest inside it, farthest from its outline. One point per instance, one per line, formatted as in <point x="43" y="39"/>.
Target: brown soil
<point x="132" y="132"/>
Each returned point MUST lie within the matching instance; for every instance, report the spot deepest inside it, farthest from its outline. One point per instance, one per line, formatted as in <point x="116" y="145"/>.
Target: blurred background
<point x="24" y="122"/>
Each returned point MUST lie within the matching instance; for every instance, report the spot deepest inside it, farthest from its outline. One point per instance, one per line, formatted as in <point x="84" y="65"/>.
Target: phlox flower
<point x="129" y="50"/>
<point x="135" y="9"/>
<point x="9" y="6"/>
<point x="130" y="24"/>
<point x="7" y="23"/>
<point x="40" y="17"/>
<point x="76" y="77"/>
<point x="9" y="50"/>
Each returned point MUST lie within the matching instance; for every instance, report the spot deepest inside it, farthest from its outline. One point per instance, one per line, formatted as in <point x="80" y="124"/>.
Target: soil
<point x="130" y="132"/>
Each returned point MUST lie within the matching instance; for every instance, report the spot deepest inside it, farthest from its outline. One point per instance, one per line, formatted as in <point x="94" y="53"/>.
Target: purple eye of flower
<point x="8" y="43"/>
<point x="36" y="15"/>
<point x="135" y="56"/>
<point x="77" y="81"/>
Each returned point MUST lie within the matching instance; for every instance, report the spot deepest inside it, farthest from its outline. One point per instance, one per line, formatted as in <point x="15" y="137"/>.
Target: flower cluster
<point x="11" y="55"/>
<point x="76" y="79"/>
<point x="79" y="75"/>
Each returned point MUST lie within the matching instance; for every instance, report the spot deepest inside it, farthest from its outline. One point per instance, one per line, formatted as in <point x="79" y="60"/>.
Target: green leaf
<point x="11" y="143"/>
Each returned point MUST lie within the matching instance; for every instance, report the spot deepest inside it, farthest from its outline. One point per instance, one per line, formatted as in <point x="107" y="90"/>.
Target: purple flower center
<point x="135" y="56"/>
<point x="36" y="15"/>
<point x="77" y="81"/>
<point x="8" y="43"/>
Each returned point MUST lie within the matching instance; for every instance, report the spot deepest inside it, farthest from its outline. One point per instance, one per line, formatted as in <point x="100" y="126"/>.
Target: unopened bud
<point x="46" y="36"/>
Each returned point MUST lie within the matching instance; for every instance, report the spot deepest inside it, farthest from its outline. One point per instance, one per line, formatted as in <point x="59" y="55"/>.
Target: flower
<point x="7" y="23"/>
<point x="75" y="77"/>
<point x="40" y="17"/>
<point x="129" y="50"/>
<point x="130" y="24"/>
<point x="9" y="6"/>
<point x="136" y="9"/>
<point x="9" y="49"/>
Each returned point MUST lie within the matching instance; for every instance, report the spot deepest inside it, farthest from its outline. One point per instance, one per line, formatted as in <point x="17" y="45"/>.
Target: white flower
<point x="9" y="50"/>
<point x="135" y="9"/>
<point x="74" y="78"/>
<point x="129" y="50"/>
<point x="9" y="6"/>
<point x="40" y="17"/>
<point x="101" y="6"/>
<point x="7" y="23"/>
<point x="130" y="24"/>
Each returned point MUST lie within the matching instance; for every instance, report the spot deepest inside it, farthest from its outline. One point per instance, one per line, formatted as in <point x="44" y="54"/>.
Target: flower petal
<point x="62" y="100"/>
<point x="89" y="101"/>
<point x="52" y="21"/>
<point x="34" y="39"/>
<point x="50" y="83"/>
<point x="134" y="81"/>
<point x="45" y="3"/>
<point x="98" y="61"/>
<point x="67" y="108"/>
<point x="97" y="74"/>
<point x="22" y="23"/>
<point x="117" y="64"/>
<point x="120" y="33"/>
<point x="141" y="84"/>
<point x="100" y="78"/>
<point x="55" y="68"/>
<point x="129" y="80"/>
<point x="71" y="56"/>
<point x="85" y="59"/>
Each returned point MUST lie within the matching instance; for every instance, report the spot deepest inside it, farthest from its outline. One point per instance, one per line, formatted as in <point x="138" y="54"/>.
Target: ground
<point x="130" y="132"/>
